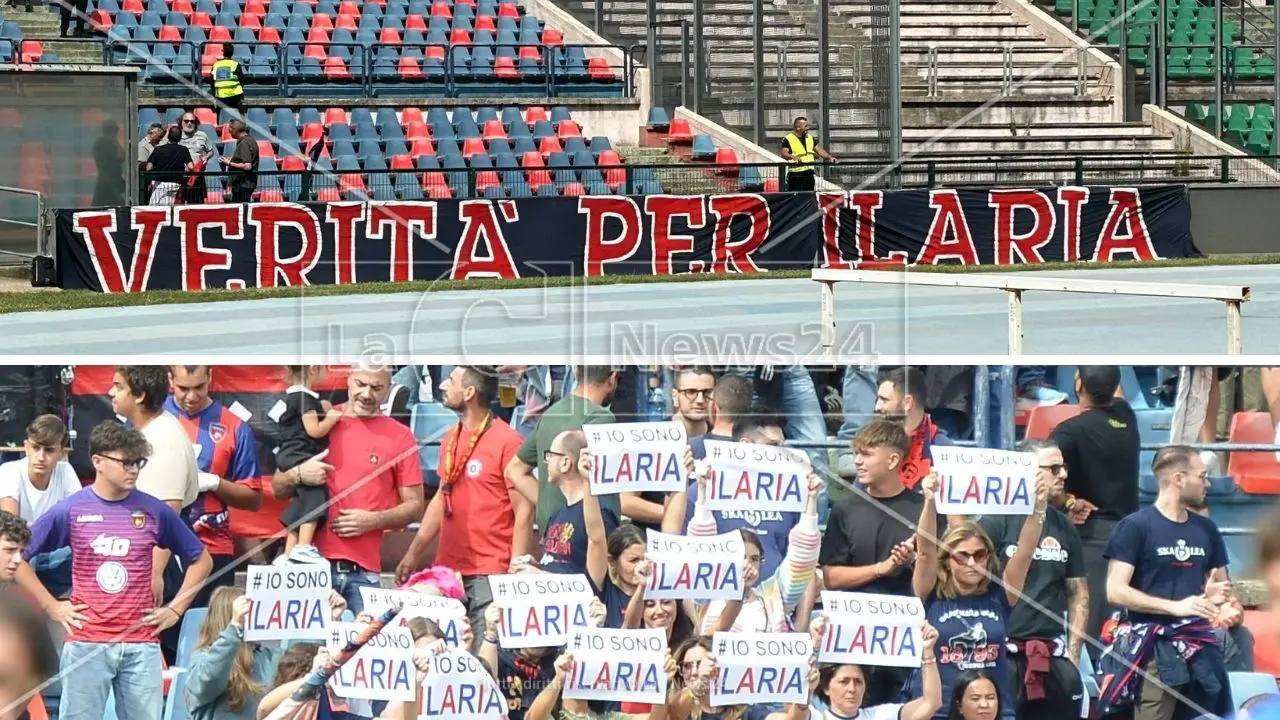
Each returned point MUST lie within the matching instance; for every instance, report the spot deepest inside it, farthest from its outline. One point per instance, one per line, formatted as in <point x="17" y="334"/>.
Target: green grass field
<point x="13" y="302"/>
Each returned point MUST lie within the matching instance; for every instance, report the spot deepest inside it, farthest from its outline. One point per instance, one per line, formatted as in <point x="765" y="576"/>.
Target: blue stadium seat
<point x="1248" y="685"/>
<point x="600" y="143"/>
<point x="523" y="145"/>
<point x="749" y="178"/>
<point x="188" y="633"/>
<point x="658" y="119"/>
<point x="704" y="148"/>
<point x="547" y="191"/>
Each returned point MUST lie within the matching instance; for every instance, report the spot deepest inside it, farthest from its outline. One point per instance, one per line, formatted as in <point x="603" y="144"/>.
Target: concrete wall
<point x="1230" y="219"/>
<point x="748" y="152"/>
<point x="1059" y="35"/>
<point x="622" y="125"/>
<point x="1202" y="142"/>
<point x="575" y="33"/>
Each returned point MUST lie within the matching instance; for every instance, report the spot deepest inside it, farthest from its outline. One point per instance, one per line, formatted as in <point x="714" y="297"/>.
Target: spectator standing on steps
<point x="245" y="160"/>
<point x="798" y="149"/>
<point x="168" y="166"/>
<point x="228" y="80"/>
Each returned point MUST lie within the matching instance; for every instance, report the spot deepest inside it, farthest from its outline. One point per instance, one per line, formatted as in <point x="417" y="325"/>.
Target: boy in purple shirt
<point x="112" y="626"/>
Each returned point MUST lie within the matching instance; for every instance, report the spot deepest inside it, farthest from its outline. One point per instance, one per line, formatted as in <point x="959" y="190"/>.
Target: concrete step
<point x="44" y="26"/>
<point x="1045" y="130"/>
<point x="1067" y="144"/>
<point x="955" y="33"/>
<point x="1021" y="111"/>
<point x="964" y="20"/>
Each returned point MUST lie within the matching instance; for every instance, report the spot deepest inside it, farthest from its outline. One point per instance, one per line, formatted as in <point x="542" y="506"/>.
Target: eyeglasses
<point x="1055" y="469"/>
<point x="133" y="464"/>
<point x="695" y="393"/>
<point x="964" y="558"/>
<point x="546" y="456"/>
<point x="189" y="121"/>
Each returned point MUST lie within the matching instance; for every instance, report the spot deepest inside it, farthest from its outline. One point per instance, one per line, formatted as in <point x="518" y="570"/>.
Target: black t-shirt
<point x="859" y="532"/>
<point x="295" y="443"/>
<point x="170" y="158"/>
<point x="1058" y="556"/>
<point x="521" y="681"/>
<point x="1170" y="560"/>
<point x="1101" y="448"/>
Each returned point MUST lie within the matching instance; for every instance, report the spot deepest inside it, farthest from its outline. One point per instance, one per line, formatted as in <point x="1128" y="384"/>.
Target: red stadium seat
<point x="510" y="10"/>
<point x="182" y="6"/>
<point x="534" y="113"/>
<point x="30" y="51"/>
<point x="418" y="148"/>
<point x="493" y="129"/>
<point x="599" y="69"/>
<point x="529" y="52"/>
<point x="473" y="146"/>
<point x="346" y="7"/>
<point x="269" y="195"/>
<point x="321" y="22"/>
<point x="1042" y="420"/>
<point x="311" y="132"/>
<point x="251" y="21"/>
<point x="169" y="34"/>
<point x="202" y="21"/>
<point x="266" y="150"/>
<point x="434" y="52"/>
<point x="548" y="145"/>
<point x="552" y="37"/>
<point x="100" y="21"/>
<point x="412" y="114"/>
<point x="504" y="68"/>
<point x="347" y="22"/>
<point x="335" y="68"/>
<point x="568" y="129"/>
<point x="439" y="8"/>
<point x="439" y="192"/>
<point x="255" y="6"/>
<point x="680" y="133"/>
<point x="402" y="162"/>
<point x="315" y="50"/>
<point x="532" y="159"/>
<point x="205" y="116"/>
<point x="415" y="22"/>
<point x="486" y="179"/>
<point x="416" y="130"/>
<point x="133" y="6"/>
<point x="1256" y="473"/>
<point x="409" y="68"/>
<point x="538" y="178"/>
<point x="290" y="163"/>
<point x="335" y="116"/>
<point x="727" y="158"/>
<point x="459" y="36"/>
<point x="389" y="36"/>
<point x="219" y="33"/>
<point x="329" y="195"/>
<point x="434" y="179"/>
<point x="485" y="22"/>
<point x="224" y="134"/>
<point x="269" y="35"/>
<point x="351" y="182"/>
<point x="574" y="189"/>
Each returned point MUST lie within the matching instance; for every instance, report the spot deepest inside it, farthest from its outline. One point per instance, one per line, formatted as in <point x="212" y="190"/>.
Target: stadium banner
<point x="637" y="457"/>
<point x="195" y="247"/>
<point x="457" y="685"/>
<point x="540" y="609"/>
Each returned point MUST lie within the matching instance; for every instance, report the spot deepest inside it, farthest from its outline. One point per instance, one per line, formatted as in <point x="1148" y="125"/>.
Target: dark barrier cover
<point x="268" y="245"/>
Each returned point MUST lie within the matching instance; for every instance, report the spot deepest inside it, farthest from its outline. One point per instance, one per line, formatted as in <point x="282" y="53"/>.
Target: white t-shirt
<point x="888" y="711"/>
<point x="171" y="471"/>
<point x="32" y="502"/>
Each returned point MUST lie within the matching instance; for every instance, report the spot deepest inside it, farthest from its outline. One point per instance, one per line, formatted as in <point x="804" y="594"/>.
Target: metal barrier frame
<point x="38" y="224"/>
<point x="1015" y="285"/>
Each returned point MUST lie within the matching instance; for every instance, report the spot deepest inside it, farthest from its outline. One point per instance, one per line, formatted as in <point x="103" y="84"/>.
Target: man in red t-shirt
<point x="481" y="519"/>
<point x="374" y="479"/>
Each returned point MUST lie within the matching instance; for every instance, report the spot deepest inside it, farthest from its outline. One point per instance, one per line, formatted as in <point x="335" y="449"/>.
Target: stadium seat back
<point x="1042" y="420"/>
<point x="1247" y="685"/>
<point x="1256" y="473"/>
<point x="188" y="633"/>
<point x="430" y="422"/>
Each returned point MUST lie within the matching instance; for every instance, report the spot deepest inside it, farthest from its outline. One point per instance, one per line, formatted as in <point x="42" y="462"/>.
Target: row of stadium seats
<point x="201" y="27"/>
<point x="1250" y="126"/>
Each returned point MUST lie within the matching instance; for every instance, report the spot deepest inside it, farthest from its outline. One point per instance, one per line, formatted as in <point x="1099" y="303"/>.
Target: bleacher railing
<point x="369" y="72"/>
<point x="695" y="178"/>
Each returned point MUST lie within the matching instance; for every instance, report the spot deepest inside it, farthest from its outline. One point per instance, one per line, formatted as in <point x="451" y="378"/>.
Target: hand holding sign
<point x="815" y="493"/>
<point x="564" y="666"/>
<point x="929" y="487"/>
<point x="928" y="639"/>
<point x="597" y="612"/>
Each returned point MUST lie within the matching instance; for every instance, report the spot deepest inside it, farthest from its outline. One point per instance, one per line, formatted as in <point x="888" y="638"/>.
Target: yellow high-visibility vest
<point x="802" y="151"/>
<point x="225" y="84"/>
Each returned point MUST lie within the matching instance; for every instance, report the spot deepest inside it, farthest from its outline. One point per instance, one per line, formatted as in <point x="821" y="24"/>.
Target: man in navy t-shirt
<point x="773" y="527"/>
<point x="564" y="542"/>
<point x="1167" y="564"/>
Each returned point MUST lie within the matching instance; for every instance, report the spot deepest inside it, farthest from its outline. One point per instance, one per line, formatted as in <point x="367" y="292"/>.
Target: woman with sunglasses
<point x="964" y="597"/>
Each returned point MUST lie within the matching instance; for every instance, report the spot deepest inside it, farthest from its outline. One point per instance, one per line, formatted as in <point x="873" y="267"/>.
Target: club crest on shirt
<point x="473" y="468"/>
<point x="138" y="518"/>
<point x="217" y="432"/>
<point x="373" y="458"/>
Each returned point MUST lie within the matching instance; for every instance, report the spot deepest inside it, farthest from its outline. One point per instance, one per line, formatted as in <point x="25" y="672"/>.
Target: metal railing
<point x="368" y="70"/>
<point x="14" y="249"/>
<point x="705" y="177"/>
<point x="1012" y="74"/>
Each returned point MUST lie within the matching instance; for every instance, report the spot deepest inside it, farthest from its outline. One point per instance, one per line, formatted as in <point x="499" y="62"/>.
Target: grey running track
<point x="750" y="318"/>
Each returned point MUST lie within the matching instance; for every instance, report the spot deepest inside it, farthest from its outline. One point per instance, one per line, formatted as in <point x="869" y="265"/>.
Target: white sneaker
<point x="281" y="560"/>
<point x="306" y="555"/>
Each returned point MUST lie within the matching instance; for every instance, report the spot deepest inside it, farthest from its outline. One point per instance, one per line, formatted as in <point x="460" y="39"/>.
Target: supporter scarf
<point x="919" y="460"/>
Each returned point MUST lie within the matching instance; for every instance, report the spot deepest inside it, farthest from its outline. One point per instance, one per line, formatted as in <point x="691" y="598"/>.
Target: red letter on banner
<point x="728" y="256"/>
<point x="196" y="258"/>
<point x="948" y="218"/>
<point x="345" y="218"/>
<point x="1126" y="207"/>
<point x="481" y="232"/>
<point x="598" y="250"/>
<point x="404" y="218"/>
<point x="661" y="209"/>
<point x="865" y="203"/>
<point x="829" y="204"/>
<point x="1072" y="200"/>
<point x="1027" y="245"/>
<point x="98" y="229"/>
<point x="267" y="220"/>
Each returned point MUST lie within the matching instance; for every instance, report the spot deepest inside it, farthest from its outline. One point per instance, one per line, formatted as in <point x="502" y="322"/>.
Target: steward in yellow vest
<point x="227" y="80"/>
<point x="798" y="149"/>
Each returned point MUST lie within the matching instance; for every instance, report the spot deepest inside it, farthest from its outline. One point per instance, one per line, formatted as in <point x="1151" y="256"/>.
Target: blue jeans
<point x="92" y="671"/>
<point x="859" y="392"/>
<point x="348" y="584"/>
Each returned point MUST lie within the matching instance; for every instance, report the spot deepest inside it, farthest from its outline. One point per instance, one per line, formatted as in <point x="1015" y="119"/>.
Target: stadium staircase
<point x="1023" y="109"/>
<point x="41" y="26"/>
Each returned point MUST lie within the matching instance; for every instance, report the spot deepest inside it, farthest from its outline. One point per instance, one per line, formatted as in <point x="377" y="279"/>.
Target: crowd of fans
<point x="172" y="161"/>
<point x="1012" y="603"/>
